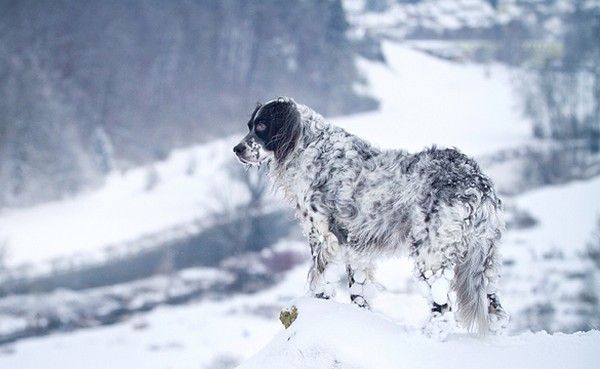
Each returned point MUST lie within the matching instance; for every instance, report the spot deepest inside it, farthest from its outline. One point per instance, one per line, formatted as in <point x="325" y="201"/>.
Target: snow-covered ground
<point x="548" y="276"/>
<point x="189" y="336"/>
<point x="332" y="335"/>
<point x="424" y="101"/>
<point x="142" y="201"/>
<point x="568" y="215"/>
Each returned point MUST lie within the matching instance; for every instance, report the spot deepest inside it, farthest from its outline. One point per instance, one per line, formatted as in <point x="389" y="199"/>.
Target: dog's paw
<point x="324" y="291"/>
<point x="498" y="321"/>
<point x="440" y="326"/>
<point x="360" y="301"/>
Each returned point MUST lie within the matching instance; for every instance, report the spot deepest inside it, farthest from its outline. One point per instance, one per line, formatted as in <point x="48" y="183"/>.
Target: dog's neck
<point x="286" y="174"/>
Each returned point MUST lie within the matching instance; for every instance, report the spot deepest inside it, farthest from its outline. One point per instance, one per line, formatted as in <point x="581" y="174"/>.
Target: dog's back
<point x="435" y="205"/>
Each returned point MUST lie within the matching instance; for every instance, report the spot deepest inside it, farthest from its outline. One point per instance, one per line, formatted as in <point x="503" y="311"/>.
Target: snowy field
<point x="424" y="101"/>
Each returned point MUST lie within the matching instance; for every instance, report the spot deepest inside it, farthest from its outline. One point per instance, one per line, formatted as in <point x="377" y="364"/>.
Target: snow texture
<point x="426" y="100"/>
<point x="332" y="335"/>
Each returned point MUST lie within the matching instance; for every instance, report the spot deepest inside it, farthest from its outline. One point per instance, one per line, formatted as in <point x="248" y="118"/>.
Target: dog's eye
<point x="260" y="126"/>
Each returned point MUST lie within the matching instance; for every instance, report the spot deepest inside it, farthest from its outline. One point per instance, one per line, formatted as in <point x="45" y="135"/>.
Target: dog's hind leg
<point x="360" y="281"/>
<point x="435" y="268"/>
<point x="441" y="320"/>
<point x="498" y="317"/>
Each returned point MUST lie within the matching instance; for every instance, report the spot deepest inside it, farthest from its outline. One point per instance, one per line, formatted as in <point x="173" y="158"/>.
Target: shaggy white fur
<point x="357" y="203"/>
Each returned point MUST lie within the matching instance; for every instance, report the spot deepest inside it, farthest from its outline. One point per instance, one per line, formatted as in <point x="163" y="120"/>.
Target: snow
<point x="436" y="18"/>
<point x="425" y="101"/>
<point x="182" y="337"/>
<point x="439" y="291"/>
<point x="189" y="336"/>
<point x="332" y="335"/>
<point x="124" y="209"/>
<point x="568" y="214"/>
<point x="543" y="259"/>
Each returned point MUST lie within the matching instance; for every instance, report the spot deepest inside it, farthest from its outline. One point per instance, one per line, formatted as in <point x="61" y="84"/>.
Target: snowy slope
<point x="143" y="201"/>
<point x="567" y="214"/>
<point x="547" y="277"/>
<point x="331" y="335"/>
<point x="425" y="101"/>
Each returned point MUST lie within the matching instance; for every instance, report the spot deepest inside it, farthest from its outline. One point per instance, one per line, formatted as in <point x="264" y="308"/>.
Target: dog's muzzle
<point x="239" y="150"/>
<point x="250" y="152"/>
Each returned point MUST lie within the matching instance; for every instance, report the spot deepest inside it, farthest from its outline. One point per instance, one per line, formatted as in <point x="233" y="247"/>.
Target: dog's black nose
<point x="239" y="148"/>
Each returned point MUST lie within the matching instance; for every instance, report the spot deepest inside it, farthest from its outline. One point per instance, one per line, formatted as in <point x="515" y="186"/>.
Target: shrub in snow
<point x="288" y="316"/>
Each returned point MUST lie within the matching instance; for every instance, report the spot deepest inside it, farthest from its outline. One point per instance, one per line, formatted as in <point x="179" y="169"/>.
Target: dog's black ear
<point x="285" y="130"/>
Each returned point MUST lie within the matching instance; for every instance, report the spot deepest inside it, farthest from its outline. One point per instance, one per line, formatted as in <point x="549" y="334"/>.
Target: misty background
<point x="124" y="214"/>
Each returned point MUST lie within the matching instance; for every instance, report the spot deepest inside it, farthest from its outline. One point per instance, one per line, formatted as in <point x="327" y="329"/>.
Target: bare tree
<point x="240" y="219"/>
<point x="562" y="90"/>
<point x="254" y="180"/>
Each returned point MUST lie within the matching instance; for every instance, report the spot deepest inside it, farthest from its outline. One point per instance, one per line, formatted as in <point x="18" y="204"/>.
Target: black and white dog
<point x="357" y="203"/>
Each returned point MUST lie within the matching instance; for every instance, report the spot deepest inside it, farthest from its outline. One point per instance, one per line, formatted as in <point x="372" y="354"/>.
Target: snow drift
<point x="332" y="335"/>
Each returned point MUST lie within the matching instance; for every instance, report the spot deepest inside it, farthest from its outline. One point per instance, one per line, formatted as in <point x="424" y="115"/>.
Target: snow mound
<point x="332" y="335"/>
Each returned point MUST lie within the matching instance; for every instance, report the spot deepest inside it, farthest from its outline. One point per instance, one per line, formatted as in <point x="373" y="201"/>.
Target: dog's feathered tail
<point x="471" y="292"/>
<point x="471" y="280"/>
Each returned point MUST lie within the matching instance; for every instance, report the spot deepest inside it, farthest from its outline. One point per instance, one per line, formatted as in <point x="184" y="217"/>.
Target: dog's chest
<point x="305" y="197"/>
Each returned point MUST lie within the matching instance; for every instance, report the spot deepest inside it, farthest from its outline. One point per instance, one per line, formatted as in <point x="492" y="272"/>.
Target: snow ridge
<point x="327" y="334"/>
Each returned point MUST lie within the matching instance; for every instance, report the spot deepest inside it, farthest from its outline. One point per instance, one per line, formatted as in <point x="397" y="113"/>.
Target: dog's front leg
<point x="360" y="281"/>
<point x="321" y="277"/>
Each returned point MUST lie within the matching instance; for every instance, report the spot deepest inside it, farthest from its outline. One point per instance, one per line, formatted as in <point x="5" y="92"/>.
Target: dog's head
<point x="274" y="129"/>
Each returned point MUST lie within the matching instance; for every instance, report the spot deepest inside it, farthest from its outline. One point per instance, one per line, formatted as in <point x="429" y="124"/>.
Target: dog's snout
<point x="239" y="148"/>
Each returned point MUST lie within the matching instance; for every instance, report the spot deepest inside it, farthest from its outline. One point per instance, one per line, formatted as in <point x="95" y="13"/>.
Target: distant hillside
<point x="91" y="86"/>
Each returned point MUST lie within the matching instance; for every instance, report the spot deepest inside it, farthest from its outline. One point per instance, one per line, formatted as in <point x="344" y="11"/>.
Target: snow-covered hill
<point x="332" y="335"/>
<point x="462" y="18"/>
<point x="426" y="101"/>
